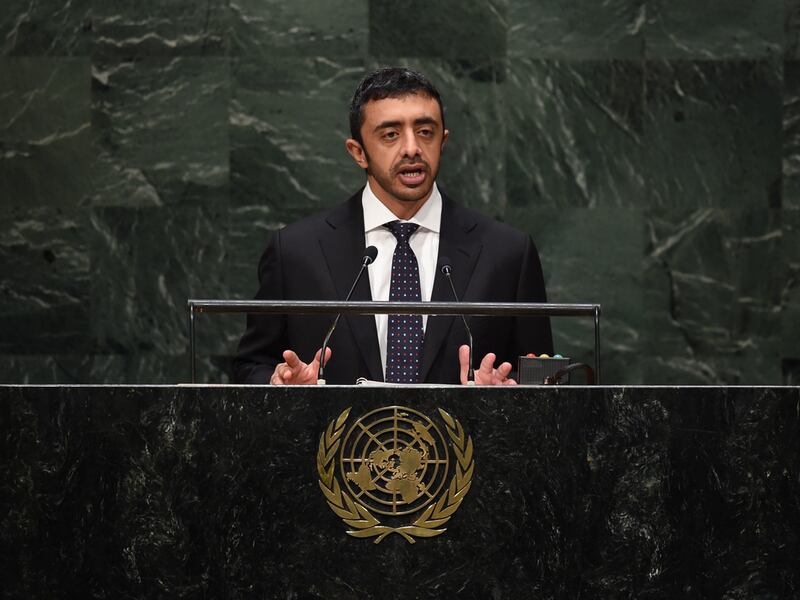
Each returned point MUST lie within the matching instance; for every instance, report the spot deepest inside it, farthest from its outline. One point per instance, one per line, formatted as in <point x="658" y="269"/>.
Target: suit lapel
<point x="463" y="251"/>
<point x="343" y="247"/>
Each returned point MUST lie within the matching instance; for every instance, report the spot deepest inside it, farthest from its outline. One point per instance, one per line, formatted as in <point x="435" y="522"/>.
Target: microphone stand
<point x="369" y="257"/>
<point x="447" y="270"/>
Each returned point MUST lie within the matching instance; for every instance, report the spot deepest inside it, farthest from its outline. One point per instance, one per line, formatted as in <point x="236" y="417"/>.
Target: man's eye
<point x="425" y="132"/>
<point x="390" y="135"/>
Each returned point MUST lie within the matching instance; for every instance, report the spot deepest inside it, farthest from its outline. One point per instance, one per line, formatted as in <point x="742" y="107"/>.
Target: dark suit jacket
<point x="318" y="259"/>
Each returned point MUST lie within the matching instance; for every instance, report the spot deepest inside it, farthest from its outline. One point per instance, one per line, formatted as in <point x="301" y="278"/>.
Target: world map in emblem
<point x="394" y="460"/>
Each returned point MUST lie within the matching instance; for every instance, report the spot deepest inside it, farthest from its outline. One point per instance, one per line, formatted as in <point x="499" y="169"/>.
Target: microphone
<point x="447" y="269"/>
<point x="368" y="258"/>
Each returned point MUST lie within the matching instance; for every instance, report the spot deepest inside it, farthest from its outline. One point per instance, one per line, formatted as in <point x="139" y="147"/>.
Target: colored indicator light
<point x="557" y="356"/>
<point x="544" y="356"/>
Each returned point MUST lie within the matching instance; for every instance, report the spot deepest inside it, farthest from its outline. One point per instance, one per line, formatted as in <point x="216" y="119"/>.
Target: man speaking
<point x="397" y="133"/>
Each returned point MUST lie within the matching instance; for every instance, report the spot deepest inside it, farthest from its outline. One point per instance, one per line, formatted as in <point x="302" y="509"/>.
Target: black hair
<point x="388" y="82"/>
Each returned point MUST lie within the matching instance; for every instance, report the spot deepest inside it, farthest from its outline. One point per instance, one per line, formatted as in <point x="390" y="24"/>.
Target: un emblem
<point x="394" y="462"/>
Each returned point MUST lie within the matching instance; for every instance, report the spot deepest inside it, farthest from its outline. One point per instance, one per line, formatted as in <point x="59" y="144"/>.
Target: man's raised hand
<point x="486" y="374"/>
<point x="295" y="372"/>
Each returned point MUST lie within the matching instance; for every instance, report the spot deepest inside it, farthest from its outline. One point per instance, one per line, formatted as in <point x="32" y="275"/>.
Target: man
<point x="397" y="136"/>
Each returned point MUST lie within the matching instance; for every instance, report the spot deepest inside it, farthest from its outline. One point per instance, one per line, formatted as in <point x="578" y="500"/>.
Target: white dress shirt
<point x="424" y="242"/>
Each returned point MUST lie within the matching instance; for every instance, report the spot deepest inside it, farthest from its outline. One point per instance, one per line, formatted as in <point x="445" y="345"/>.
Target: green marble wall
<point x="652" y="148"/>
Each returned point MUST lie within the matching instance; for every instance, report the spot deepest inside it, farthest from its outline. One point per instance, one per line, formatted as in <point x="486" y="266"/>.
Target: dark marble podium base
<point x="134" y="492"/>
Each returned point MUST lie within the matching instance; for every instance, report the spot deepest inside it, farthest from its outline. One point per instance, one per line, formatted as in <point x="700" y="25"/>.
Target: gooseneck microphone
<point x="369" y="257"/>
<point x="446" y="268"/>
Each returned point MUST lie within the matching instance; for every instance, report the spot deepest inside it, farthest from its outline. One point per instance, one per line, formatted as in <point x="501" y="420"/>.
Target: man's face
<point x="402" y="144"/>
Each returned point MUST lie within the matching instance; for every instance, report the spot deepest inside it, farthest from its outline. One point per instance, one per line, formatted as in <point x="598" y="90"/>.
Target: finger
<point x="315" y="362"/>
<point x="463" y="361"/>
<point x="310" y="372"/>
<point x="504" y="369"/>
<point x="487" y="364"/>
<point x="485" y="375"/>
<point x="510" y="381"/>
<point x="292" y="359"/>
<point x="277" y="374"/>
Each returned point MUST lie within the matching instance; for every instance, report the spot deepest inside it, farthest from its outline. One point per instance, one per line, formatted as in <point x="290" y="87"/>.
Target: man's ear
<point x="356" y="150"/>
<point x="445" y="135"/>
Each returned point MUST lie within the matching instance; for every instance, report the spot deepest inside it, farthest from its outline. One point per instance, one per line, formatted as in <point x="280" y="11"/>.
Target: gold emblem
<point x="394" y="462"/>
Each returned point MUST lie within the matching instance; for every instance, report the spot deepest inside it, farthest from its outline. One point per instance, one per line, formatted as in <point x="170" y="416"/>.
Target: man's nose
<point x="410" y="144"/>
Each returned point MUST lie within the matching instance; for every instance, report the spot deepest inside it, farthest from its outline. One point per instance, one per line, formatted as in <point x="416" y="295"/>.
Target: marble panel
<point x="45" y="271"/>
<point x="262" y="29"/>
<point x="146" y="263"/>
<point x="737" y="496"/>
<point x="288" y="125"/>
<point x="159" y="368"/>
<point x="713" y="133"/>
<point x="574" y="29"/>
<point x="216" y="342"/>
<point x="593" y="256"/>
<point x="714" y="29"/>
<point x="791" y="29"/>
<point x="141" y="28"/>
<point x="791" y="135"/>
<point x="72" y="367"/>
<point x="46" y="28"/>
<point x="712" y="292"/>
<point x="135" y="106"/>
<point x="790" y="296"/>
<point x="247" y="237"/>
<point x="444" y="28"/>
<point x="45" y="143"/>
<point x="160" y="126"/>
<point x="616" y="492"/>
<point x="574" y="133"/>
<point x="137" y="366"/>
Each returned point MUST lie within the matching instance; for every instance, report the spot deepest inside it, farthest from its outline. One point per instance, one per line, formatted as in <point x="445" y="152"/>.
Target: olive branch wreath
<point x="364" y="524"/>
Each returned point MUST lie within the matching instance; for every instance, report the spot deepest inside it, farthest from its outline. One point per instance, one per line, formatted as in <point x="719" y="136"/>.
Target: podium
<point x="576" y="492"/>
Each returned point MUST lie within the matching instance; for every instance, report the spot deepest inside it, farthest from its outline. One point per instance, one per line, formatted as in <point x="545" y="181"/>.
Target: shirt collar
<point x="429" y="216"/>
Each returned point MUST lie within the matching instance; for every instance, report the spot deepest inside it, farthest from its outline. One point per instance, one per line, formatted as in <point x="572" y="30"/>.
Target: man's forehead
<point x="407" y="107"/>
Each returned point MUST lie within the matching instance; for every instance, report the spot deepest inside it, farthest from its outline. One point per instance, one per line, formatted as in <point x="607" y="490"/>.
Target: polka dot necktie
<point x="404" y="347"/>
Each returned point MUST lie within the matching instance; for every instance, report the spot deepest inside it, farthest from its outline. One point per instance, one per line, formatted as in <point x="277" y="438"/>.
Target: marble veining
<point x="582" y="492"/>
<point x="147" y="151"/>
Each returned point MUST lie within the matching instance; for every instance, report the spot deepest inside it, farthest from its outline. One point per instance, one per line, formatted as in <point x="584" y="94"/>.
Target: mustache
<point x="411" y="163"/>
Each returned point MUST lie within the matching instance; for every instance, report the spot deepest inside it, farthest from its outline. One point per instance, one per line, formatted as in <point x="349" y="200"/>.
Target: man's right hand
<point x="295" y="372"/>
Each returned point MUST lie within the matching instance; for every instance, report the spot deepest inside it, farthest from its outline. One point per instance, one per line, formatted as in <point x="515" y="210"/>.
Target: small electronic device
<point x="533" y="369"/>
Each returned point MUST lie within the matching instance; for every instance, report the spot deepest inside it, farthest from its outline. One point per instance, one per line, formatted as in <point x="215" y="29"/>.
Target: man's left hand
<point x="486" y="374"/>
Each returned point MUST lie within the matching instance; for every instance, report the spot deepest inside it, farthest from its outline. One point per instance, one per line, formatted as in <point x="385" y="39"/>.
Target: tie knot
<point x="402" y="231"/>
